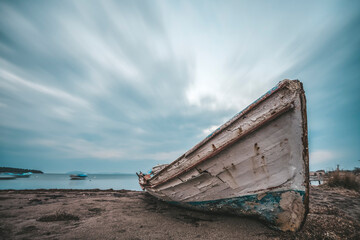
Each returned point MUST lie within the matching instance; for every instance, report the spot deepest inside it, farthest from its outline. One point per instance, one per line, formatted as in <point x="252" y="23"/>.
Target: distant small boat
<point x="78" y="176"/>
<point x="256" y="164"/>
<point x="6" y="176"/>
<point x="21" y="175"/>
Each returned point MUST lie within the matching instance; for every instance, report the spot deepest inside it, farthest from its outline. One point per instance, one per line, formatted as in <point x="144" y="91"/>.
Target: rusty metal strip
<point x="229" y="143"/>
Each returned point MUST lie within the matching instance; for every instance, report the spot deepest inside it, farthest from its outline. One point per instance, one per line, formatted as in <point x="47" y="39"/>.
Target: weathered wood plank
<point x="187" y="162"/>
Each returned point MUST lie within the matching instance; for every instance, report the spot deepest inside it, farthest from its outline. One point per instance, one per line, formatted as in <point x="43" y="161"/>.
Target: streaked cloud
<point x="52" y="92"/>
<point x="322" y="156"/>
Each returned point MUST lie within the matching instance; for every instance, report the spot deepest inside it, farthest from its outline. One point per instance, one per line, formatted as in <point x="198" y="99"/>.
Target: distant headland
<point x="18" y="170"/>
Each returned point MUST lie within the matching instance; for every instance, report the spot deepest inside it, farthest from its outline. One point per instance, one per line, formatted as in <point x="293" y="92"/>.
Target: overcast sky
<point x="119" y="86"/>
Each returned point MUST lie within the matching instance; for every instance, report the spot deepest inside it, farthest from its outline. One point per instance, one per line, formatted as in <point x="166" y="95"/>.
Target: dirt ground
<point x="90" y="214"/>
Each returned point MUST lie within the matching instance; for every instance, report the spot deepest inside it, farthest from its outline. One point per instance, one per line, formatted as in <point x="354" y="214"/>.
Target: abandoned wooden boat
<point x="256" y="164"/>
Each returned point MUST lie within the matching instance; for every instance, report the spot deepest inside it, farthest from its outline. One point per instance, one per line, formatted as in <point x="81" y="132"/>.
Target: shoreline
<point x="126" y="214"/>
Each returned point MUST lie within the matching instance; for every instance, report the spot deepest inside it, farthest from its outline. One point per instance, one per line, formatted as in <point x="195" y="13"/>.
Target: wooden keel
<point x="256" y="164"/>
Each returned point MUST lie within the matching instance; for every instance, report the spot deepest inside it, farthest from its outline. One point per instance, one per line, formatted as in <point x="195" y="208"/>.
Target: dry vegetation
<point x="344" y="179"/>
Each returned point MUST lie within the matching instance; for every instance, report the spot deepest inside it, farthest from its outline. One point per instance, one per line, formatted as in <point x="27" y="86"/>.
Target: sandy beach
<point x="108" y="214"/>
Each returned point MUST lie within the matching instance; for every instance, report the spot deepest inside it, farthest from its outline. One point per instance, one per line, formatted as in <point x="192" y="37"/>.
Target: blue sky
<point x="119" y="86"/>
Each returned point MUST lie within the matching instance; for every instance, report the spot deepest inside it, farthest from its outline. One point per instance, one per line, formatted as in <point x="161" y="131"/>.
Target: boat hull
<point x="77" y="178"/>
<point x="265" y="206"/>
<point x="256" y="164"/>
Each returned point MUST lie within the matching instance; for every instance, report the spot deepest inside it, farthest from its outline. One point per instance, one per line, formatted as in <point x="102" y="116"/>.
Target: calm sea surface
<point x="62" y="181"/>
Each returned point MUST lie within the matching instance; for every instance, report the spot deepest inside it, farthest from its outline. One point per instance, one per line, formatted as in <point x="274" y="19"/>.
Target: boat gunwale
<point x="284" y="110"/>
<point x="281" y="85"/>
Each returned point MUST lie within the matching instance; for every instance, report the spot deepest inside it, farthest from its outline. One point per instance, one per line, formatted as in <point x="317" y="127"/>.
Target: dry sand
<point x="91" y="214"/>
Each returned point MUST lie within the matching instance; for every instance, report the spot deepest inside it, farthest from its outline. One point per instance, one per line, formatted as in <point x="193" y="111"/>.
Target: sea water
<point x="93" y="181"/>
<point x="62" y="181"/>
